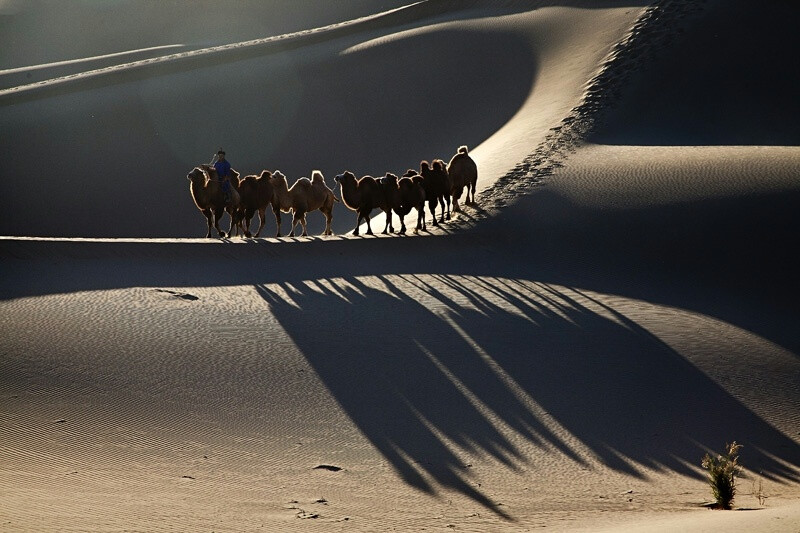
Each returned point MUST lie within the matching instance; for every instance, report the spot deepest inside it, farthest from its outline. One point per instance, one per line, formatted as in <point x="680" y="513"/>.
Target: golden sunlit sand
<point x="621" y="301"/>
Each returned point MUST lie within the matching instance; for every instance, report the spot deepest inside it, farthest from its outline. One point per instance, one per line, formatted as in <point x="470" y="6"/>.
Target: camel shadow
<point x="434" y="369"/>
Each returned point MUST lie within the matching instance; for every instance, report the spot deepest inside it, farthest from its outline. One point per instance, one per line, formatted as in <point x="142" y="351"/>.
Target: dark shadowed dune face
<point x="111" y="153"/>
<point x="44" y="31"/>
<point x="730" y="78"/>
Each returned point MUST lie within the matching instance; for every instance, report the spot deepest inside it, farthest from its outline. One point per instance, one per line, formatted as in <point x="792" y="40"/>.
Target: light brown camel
<point x="362" y="196"/>
<point x="463" y="174"/>
<point x="256" y="194"/>
<point x="206" y="191"/>
<point x="302" y="198"/>
<point x="437" y="187"/>
<point x="234" y="207"/>
<point x="405" y="194"/>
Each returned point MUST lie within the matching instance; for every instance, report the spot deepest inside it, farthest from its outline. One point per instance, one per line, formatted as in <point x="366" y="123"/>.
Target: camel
<point x="303" y="197"/>
<point x="463" y="174"/>
<point x="235" y="208"/>
<point x="362" y="196"/>
<point x="405" y="194"/>
<point x="437" y="187"/>
<point x="391" y="193"/>
<point x="206" y="190"/>
<point x="256" y="194"/>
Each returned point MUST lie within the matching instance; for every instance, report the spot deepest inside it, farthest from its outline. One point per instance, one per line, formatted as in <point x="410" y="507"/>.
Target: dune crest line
<point x="646" y="36"/>
<point x="222" y="53"/>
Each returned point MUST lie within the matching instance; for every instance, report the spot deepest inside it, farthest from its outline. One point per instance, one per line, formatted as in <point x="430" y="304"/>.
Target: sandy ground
<point x="621" y="301"/>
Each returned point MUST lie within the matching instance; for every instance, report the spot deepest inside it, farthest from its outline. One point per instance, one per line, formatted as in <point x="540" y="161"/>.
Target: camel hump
<point x="317" y="177"/>
<point x="463" y="149"/>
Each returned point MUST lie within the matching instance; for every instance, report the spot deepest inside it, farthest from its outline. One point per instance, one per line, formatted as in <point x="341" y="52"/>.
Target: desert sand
<point x="621" y="300"/>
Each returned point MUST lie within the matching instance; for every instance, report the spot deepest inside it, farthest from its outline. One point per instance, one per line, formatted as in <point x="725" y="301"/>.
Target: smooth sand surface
<point x="621" y="301"/>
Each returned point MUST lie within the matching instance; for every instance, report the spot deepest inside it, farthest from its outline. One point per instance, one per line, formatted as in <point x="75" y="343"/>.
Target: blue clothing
<point x="223" y="168"/>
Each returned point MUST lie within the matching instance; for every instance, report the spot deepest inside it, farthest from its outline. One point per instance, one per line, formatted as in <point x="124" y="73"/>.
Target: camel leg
<point x="456" y="197"/>
<point x="432" y="206"/>
<point x="303" y="222"/>
<point x="209" y="218"/>
<point x="218" y="215"/>
<point x="358" y="223"/>
<point x="388" y="227"/>
<point x="234" y="223"/>
<point x="298" y="218"/>
<point x="248" y="221"/>
<point x="369" y="228"/>
<point x="262" y="218"/>
<point x="277" y="213"/>
<point x="401" y="216"/>
<point x="240" y="224"/>
<point x="328" y="220"/>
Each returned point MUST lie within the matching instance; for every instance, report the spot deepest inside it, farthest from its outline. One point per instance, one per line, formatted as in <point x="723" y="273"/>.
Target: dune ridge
<point x="657" y="26"/>
<point x="557" y="357"/>
<point x="202" y="58"/>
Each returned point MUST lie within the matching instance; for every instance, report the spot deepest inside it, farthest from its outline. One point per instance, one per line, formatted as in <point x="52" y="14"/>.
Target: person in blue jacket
<point x="223" y="171"/>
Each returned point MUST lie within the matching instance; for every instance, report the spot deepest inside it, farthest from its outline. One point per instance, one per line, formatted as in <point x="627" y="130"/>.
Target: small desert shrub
<point x="722" y="473"/>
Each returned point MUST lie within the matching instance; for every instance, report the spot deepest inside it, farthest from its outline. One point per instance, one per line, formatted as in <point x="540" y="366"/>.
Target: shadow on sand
<point x="430" y="367"/>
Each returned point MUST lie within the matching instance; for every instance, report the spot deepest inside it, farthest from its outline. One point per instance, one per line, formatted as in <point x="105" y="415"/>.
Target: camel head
<point x="389" y="179"/>
<point x="278" y="180"/>
<point x="196" y="175"/>
<point x="345" y="177"/>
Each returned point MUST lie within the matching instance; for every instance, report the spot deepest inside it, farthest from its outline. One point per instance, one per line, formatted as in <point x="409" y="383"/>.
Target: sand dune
<point x="622" y="301"/>
<point x="135" y="132"/>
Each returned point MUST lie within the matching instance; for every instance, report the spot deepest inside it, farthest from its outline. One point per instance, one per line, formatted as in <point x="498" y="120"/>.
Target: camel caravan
<point x="436" y="183"/>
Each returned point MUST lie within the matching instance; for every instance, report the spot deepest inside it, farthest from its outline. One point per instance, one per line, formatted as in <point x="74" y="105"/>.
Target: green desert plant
<point x="722" y="472"/>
